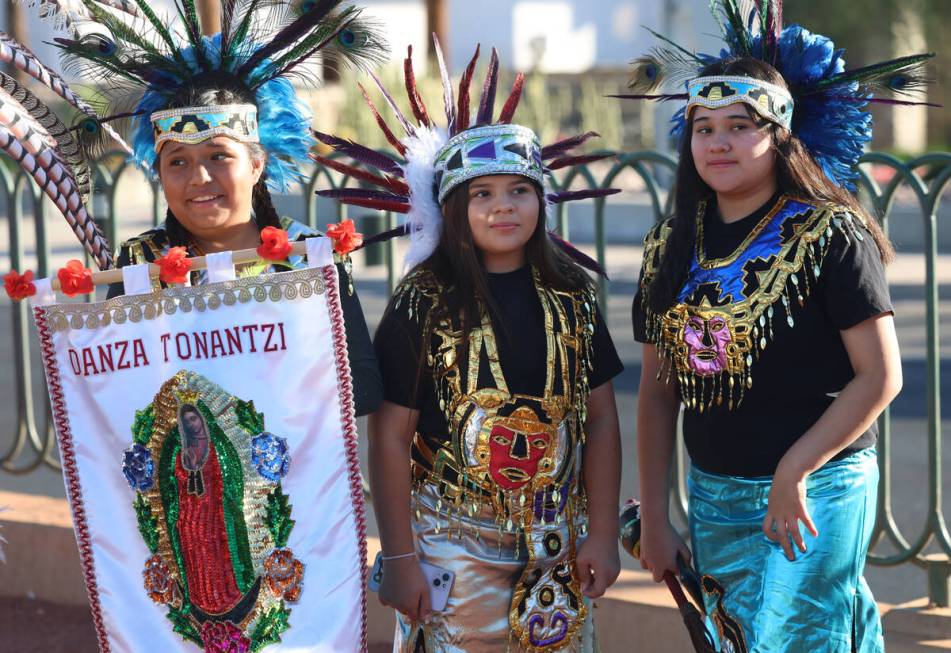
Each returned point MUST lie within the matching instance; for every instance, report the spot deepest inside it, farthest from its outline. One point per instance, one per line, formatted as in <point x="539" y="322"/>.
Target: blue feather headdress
<point x="829" y="117"/>
<point x="146" y="62"/>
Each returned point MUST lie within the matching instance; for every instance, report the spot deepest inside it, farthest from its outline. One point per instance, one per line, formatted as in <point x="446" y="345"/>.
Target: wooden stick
<point x="106" y="277"/>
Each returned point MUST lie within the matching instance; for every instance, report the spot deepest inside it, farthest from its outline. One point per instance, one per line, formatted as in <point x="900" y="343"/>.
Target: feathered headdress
<point x="829" y="100"/>
<point x="144" y="62"/>
<point x="439" y="158"/>
<point x="50" y="151"/>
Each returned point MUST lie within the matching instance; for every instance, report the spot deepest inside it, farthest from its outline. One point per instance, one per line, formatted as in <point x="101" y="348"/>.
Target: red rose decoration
<point x="174" y="266"/>
<point x="75" y="279"/>
<point x="274" y="244"/>
<point x="19" y="286"/>
<point x="223" y="637"/>
<point x="345" y="236"/>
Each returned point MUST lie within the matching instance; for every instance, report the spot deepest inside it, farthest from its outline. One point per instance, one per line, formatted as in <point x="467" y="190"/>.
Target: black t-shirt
<point x="521" y="344"/>
<point x="797" y="375"/>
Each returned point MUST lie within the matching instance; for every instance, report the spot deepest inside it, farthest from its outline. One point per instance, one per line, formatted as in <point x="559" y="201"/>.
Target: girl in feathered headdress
<point x="764" y="312"/>
<point x="218" y="122"/>
<point x="494" y="459"/>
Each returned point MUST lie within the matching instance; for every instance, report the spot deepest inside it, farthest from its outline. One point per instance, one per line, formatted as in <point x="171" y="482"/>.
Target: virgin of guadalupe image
<point x="203" y="499"/>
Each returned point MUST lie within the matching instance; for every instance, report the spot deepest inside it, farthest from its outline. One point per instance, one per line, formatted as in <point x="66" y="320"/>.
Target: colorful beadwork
<point x="269" y="456"/>
<point x="159" y="583"/>
<point x="223" y="637"/>
<point x="204" y="470"/>
<point x="769" y="100"/>
<point x="488" y="150"/>
<point x="138" y="468"/>
<point x="711" y="337"/>
<point x="284" y="574"/>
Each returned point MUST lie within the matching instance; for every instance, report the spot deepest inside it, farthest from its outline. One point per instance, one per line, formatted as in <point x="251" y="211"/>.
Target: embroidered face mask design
<point x="517" y="444"/>
<point x="707" y="339"/>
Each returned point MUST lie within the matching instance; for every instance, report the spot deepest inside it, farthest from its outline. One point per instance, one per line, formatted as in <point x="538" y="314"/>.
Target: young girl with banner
<point x="193" y="420"/>
<point x="764" y="311"/>
<point x="495" y="456"/>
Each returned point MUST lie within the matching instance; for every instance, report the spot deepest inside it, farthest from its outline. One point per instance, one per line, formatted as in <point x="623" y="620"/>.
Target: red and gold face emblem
<point x="518" y="445"/>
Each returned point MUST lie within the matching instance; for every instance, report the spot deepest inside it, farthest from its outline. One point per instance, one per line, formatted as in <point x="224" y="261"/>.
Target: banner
<point x="209" y="452"/>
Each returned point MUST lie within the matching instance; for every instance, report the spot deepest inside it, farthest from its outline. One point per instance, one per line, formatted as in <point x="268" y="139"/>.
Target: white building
<point x="559" y="36"/>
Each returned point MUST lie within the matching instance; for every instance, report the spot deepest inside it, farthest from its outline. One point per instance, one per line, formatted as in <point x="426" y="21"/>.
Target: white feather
<point x="425" y="216"/>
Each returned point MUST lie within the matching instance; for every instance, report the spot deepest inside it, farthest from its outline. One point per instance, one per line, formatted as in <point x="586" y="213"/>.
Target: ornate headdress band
<point x="438" y="159"/>
<point x="490" y="150"/>
<point x="197" y="124"/>
<point x="830" y="99"/>
<point x="768" y="100"/>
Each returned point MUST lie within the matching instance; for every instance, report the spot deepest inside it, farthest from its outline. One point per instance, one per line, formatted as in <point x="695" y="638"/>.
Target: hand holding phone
<point x="440" y="581"/>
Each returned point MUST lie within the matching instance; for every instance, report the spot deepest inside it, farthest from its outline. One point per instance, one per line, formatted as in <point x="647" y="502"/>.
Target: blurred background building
<point x="577" y="51"/>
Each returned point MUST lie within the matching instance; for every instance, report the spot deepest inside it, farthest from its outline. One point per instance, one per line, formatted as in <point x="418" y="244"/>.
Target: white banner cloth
<point x="180" y="495"/>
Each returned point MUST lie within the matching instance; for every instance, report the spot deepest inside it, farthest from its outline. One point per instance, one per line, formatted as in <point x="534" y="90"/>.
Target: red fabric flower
<point x="174" y="266"/>
<point x="75" y="279"/>
<point x="345" y="236"/>
<point x="274" y="244"/>
<point x="19" y="286"/>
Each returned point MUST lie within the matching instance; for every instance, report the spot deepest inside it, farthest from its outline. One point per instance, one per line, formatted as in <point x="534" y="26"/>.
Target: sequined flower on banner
<point x="345" y="236"/>
<point x="223" y="637"/>
<point x="174" y="266"/>
<point x="138" y="467"/>
<point x="284" y="574"/>
<point x="269" y="456"/>
<point x="274" y="244"/>
<point x="19" y="286"/>
<point x="75" y="279"/>
<point x="158" y="580"/>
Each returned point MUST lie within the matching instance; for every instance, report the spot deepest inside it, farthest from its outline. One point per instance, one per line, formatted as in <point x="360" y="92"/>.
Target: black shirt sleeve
<point x="398" y="343"/>
<point x="606" y="364"/>
<point x="853" y="277"/>
<point x="367" y="384"/>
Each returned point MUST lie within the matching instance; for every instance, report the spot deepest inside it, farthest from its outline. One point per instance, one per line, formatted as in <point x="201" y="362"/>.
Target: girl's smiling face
<point x="503" y="215"/>
<point x="208" y="185"/>
<point x="733" y="154"/>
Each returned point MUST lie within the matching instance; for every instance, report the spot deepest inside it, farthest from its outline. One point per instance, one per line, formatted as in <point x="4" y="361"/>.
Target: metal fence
<point x="927" y="176"/>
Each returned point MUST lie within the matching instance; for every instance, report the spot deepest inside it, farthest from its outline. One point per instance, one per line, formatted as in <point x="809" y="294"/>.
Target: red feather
<point x="394" y="185"/>
<point x="487" y="102"/>
<point x="415" y="101"/>
<point x="508" y="110"/>
<point x="564" y="145"/>
<point x="390" y="136"/>
<point x="462" y="115"/>
<point x="567" y="161"/>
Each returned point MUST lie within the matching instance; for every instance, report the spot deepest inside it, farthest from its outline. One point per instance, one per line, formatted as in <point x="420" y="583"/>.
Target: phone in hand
<point x="440" y="581"/>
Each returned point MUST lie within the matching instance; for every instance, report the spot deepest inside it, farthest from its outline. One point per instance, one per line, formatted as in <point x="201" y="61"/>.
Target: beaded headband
<point x="197" y="124"/>
<point x="768" y="100"/>
<point x="504" y="149"/>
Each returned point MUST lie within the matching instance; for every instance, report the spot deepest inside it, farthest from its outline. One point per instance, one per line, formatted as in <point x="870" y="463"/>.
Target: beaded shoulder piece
<point x="724" y="315"/>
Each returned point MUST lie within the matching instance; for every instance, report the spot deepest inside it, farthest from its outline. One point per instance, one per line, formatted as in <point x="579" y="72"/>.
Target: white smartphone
<point x="440" y="581"/>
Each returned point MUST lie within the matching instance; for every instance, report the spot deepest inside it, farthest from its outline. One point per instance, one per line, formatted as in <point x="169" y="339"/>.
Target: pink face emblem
<point x="707" y="341"/>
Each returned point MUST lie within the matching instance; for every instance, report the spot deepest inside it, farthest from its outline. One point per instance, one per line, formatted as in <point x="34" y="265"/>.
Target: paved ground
<point x="909" y="455"/>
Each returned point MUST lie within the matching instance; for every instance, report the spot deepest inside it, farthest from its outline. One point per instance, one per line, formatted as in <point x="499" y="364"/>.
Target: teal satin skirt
<point x="760" y="602"/>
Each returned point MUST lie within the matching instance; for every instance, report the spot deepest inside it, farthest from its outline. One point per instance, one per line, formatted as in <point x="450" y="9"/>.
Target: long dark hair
<point x="797" y="173"/>
<point x="457" y="261"/>
<point x="265" y="215"/>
